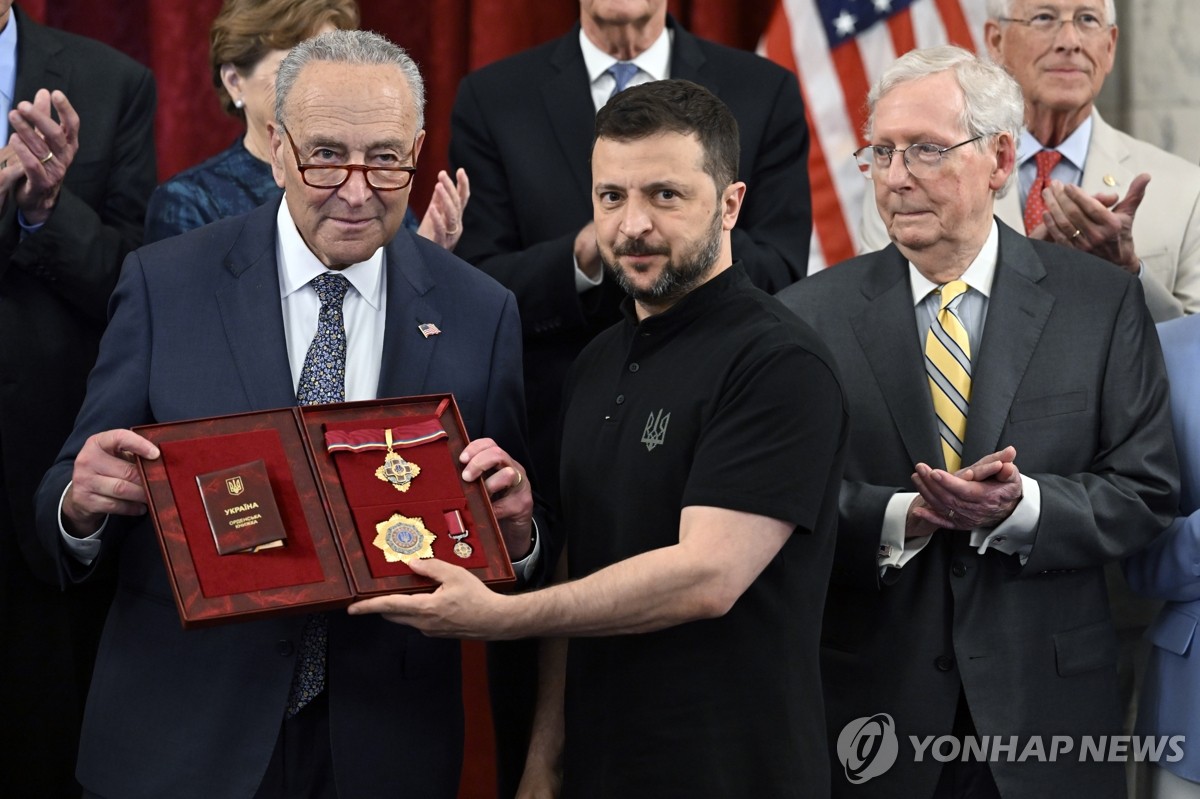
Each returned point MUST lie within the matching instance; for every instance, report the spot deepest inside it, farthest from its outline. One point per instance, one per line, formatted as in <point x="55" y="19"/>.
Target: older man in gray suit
<point x="1010" y="435"/>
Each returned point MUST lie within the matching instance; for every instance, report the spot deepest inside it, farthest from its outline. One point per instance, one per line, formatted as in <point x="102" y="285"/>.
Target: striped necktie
<point x="322" y="379"/>
<point x="948" y="366"/>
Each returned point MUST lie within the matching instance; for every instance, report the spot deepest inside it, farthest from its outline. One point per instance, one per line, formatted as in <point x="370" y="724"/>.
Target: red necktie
<point x="1035" y="206"/>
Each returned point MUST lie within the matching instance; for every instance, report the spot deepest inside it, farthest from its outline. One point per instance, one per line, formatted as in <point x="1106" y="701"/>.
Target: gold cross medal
<point x="395" y="470"/>
<point x="404" y="538"/>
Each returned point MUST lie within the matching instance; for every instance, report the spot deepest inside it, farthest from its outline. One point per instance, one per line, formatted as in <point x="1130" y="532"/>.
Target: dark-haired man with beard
<point x="702" y="452"/>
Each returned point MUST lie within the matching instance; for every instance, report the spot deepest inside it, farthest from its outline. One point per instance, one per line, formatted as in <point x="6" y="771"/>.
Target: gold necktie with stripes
<point x="948" y="366"/>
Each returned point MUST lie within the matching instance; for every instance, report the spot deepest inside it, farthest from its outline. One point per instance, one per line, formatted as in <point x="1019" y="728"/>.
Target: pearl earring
<point x="238" y="103"/>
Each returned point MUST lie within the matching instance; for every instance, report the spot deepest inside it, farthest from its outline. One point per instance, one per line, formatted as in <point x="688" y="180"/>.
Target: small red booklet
<point x="241" y="508"/>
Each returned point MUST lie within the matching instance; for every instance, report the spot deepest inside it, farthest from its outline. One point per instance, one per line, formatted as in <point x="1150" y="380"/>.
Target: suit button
<point x="943" y="662"/>
<point x="633" y="367"/>
<point x="620" y="399"/>
<point x="958" y="568"/>
<point x="285" y="647"/>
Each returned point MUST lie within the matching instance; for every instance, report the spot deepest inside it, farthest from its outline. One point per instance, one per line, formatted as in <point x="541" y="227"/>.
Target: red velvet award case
<point x="339" y="508"/>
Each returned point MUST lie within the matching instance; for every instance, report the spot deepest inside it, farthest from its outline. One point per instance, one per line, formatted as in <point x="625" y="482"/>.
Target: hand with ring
<point x="983" y="494"/>
<point x="443" y="217"/>
<point x="512" y="497"/>
<point x="45" y="148"/>
<point x="1100" y="224"/>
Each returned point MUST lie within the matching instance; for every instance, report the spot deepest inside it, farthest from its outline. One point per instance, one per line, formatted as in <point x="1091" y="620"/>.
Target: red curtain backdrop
<point x="448" y="38"/>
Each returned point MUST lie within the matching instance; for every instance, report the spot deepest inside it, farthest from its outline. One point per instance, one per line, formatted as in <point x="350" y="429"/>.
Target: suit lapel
<point x="1105" y="170"/>
<point x="252" y="314"/>
<point x="1017" y="312"/>
<point x="38" y="65"/>
<point x="688" y="61"/>
<point x="407" y="353"/>
<point x="568" y="102"/>
<point x="887" y="331"/>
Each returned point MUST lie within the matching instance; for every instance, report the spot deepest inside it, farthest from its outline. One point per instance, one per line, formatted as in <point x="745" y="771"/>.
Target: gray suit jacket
<point x="197" y="330"/>
<point x="1166" y="229"/>
<point x="1069" y="372"/>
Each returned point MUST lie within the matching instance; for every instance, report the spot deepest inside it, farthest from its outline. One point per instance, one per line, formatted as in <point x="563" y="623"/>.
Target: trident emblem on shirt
<point x="656" y="430"/>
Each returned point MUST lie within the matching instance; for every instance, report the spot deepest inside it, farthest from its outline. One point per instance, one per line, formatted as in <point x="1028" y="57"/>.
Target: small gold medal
<point x="458" y="531"/>
<point x="404" y="538"/>
<point x="395" y="470"/>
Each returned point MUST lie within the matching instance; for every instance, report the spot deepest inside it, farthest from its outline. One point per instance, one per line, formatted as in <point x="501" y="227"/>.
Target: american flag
<point x="838" y="49"/>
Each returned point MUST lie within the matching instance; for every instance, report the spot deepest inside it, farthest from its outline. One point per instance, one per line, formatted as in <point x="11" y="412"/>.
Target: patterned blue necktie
<point x="323" y="379"/>
<point x="622" y="72"/>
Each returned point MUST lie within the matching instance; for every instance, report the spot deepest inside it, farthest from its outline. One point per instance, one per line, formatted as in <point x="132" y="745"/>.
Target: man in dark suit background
<point x="73" y="191"/>
<point x="522" y="129"/>
<point x="220" y="320"/>
<point x="972" y="601"/>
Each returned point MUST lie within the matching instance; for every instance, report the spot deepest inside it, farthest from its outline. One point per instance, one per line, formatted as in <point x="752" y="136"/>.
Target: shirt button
<point x="958" y="569"/>
<point x="1000" y="539"/>
<point x="285" y="648"/>
<point x="620" y="399"/>
<point x="943" y="662"/>
<point x="633" y="367"/>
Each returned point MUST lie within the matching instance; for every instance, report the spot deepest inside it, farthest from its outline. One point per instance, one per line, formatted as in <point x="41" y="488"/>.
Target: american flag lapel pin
<point x="428" y="329"/>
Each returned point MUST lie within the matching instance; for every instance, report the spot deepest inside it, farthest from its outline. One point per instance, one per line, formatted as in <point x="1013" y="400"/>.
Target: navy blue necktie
<point x="322" y="380"/>
<point x="622" y="72"/>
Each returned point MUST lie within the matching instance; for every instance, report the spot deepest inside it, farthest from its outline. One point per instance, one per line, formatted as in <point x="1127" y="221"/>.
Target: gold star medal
<point x="404" y="538"/>
<point x="395" y="470"/>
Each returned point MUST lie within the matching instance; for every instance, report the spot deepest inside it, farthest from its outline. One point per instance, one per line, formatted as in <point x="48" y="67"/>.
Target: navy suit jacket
<point x="1070" y="373"/>
<point x="196" y="329"/>
<point x="1169" y="569"/>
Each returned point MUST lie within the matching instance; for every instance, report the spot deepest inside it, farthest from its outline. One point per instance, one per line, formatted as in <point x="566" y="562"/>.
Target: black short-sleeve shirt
<point x="726" y="399"/>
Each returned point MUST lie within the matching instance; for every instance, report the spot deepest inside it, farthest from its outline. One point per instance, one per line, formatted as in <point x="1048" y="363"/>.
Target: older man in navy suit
<point x="226" y="319"/>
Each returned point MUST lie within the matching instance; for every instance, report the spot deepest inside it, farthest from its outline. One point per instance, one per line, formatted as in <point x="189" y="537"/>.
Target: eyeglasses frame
<point x="350" y="169"/>
<point x="941" y="151"/>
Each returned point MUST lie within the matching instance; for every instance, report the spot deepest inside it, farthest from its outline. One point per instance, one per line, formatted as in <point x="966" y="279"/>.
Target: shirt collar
<point x="697" y="302"/>
<point x="979" y="274"/>
<point x="654" y="61"/>
<point x="298" y="265"/>
<point x="1073" y="148"/>
<point x="8" y="61"/>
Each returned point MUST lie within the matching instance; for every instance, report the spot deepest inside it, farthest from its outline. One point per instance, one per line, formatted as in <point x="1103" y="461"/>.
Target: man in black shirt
<point x="702" y="452"/>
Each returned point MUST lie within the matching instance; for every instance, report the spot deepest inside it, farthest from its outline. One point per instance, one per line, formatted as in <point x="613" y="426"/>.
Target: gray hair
<point x="992" y="100"/>
<point x="348" y="47"/>
<point x="1003" y="8"/>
